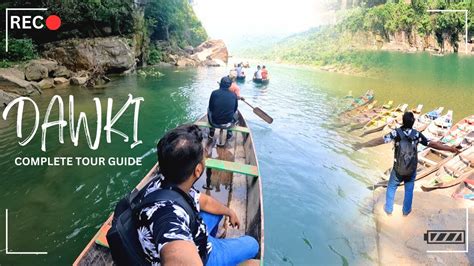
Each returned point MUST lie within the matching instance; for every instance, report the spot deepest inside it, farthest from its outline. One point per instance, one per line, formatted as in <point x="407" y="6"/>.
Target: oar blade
<point x="263" y="115"/>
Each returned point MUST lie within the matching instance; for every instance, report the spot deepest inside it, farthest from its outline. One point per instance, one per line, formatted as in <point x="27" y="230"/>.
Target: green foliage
<point x="394" y="17"/>
<point x="155" y="55"/>
<point x="174" y="21"/>
<point x="18" y="50"/>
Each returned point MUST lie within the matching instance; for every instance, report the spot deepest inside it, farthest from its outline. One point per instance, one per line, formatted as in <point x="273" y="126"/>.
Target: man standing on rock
<point x="406" y="140"/>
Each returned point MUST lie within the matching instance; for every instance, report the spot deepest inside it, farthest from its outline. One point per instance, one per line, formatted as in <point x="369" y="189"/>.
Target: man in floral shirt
<point x="166" y="231"/>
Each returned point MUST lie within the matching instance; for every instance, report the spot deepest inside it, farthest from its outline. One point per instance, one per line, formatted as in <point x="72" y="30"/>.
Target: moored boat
<point x="465" y="190"/>
<point x="426" y="119"/>
<point x="235" y="167"/>
<point x="362" y="100"/>
<point x="453" y="172"/>
<point x="439" y="127"/>
<point x="379" y="122"/>
<point x="456" y="135"/>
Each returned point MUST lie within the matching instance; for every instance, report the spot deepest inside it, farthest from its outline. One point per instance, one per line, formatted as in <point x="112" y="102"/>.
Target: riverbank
<point x="88" y="62"/>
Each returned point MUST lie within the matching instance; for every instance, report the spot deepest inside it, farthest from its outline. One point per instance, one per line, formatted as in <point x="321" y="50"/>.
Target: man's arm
<point x="440" y="146"/>
<point x="370" y="143"/>
<point x="210" y="205"/>
<point x="180" y="252"/>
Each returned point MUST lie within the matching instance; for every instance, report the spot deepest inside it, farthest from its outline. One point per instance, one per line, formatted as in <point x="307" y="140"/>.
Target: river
<point x="316" y="202"/>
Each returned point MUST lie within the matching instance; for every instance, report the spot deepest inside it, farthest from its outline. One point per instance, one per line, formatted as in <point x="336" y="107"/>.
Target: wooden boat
<point x="240" y="78"/>
<point x="459" y="131"/>
<point x="426" y="119"/>
<point x="235" y="168"/>
<point x="359" y="121"/>
<point x="379" y="122"/>
<point x="429" y="161"/>
<point x="439" y="127"/>
<point x="261" y="81"/>
<point x="465" y="190"/>
<point x="398" y="121"/>
<point x="453" y="172"/>
<point x="365" y="99"/>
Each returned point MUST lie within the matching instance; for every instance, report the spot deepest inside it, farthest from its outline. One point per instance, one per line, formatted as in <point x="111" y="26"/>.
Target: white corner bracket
<point x="6" y="20"/>
<point x="465" y="11"/>
<point x="7" y="251"/>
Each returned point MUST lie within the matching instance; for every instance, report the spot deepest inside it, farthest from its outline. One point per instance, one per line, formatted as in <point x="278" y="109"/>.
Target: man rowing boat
<point x="222" y="110"/>
<point x="405" y="160"/>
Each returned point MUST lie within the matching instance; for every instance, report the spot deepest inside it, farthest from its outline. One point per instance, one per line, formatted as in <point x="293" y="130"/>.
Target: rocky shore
<point x="87" y="62"/>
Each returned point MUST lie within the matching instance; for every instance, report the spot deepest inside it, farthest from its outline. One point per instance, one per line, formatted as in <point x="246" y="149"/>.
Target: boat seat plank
<point x="234" y="128"/>
<point x="240" y="168"/>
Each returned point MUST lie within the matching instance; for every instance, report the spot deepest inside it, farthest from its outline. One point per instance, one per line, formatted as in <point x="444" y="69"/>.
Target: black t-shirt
<point x="222" y="106"/>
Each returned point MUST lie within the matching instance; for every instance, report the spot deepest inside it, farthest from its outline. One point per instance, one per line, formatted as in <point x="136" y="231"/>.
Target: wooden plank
<point x="238" y="193"/>
<point x="234" y="128"/>
<point x="240" y="168"/>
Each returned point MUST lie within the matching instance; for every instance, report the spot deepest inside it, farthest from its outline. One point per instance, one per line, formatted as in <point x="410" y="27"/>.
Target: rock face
<point x="60" y="81"/>
<point x="62" y="71"/>
<point x="6" y="97"/>
<point x="212" y="53"/>
<point x="113" y="54"/>
<point x="35" y="72"/>
<point x="46" y="84"/>
<point x="78" y="80"/>
<point x="11" y="82"/>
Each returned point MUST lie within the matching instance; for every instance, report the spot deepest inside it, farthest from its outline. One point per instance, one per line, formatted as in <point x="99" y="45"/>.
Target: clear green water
<point x="315" y="196"/>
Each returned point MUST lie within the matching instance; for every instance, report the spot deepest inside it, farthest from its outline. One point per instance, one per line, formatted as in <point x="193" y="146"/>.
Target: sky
<point x="229" y="20"/>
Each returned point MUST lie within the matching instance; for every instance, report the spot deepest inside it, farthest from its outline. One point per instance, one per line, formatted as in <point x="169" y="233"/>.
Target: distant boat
<point x="261" y="81"/>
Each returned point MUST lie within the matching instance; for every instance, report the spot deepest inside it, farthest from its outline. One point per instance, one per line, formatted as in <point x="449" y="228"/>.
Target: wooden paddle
<point x="259" y="112"/>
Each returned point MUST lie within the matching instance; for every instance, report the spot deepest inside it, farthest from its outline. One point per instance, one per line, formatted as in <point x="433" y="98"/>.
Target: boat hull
<point x="242" y="193"/>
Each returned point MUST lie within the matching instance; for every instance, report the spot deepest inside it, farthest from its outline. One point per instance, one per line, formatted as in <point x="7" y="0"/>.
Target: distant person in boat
<point x="222" y="110"/>
<point x="258" y="73"/>
<point x="240" y="70"/>
<point x="234" y="87"/>
<point x="406" y="140"/>
<point x="173" y="234"/>
<point x="264" y="72"/>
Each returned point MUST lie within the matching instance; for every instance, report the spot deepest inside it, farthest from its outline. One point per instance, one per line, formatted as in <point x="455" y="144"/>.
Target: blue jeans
<point x="393" y="183"/>
<point x="229" y="251"/>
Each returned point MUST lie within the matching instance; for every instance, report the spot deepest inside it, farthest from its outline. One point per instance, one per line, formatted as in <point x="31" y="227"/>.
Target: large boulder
<point x="11" y="81"/>
<point x="113" y="54"/>
<point x="46" y="84"/>
<point x="78" y="80"/>
<point x="6" y="97"/>
<point x="211" y="50"/>
<point x="60" y="81"/>
<point x="62" y="71"/>
<point x="51" y="65"/>
<point x="35" y="71"/>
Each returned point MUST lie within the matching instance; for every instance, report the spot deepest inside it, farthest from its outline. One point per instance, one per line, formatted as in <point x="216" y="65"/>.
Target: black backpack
<point x="123" y="236"/>
<point x="406" y="153"/>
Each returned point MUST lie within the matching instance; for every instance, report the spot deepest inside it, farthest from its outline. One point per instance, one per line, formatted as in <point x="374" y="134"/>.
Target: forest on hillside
<point x="172" y="21"/>
<point x="334" y="44"/>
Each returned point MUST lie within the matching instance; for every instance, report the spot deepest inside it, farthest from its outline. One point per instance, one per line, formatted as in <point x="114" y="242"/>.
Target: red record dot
<point x="53" y="22"/>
